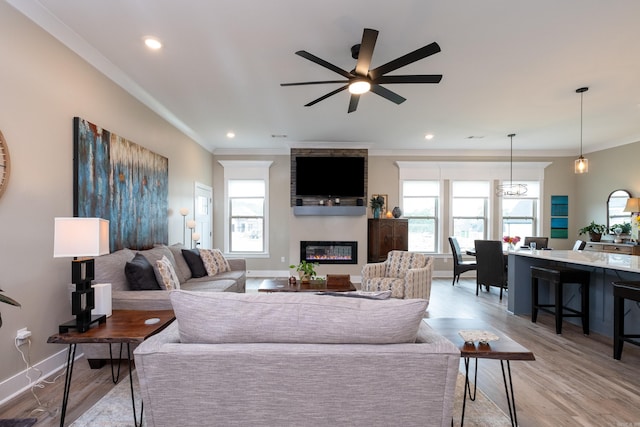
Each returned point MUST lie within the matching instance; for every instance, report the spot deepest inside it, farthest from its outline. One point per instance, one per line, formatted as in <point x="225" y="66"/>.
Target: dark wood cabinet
<point x="385" y="235"/>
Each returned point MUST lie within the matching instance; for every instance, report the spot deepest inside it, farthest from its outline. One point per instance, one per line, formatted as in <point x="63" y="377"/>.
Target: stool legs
<point x="557" y="280"/>
<point x="534" y="299"/>
<point x="584" y="290"/>
<point x="618" y="326"/>
<point x="559" y="301"/>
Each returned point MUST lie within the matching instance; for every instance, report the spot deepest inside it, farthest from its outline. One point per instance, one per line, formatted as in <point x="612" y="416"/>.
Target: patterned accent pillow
<point x="398" y="262"/>
<point x="214" y="261"/>
<point x="168" y="274"/>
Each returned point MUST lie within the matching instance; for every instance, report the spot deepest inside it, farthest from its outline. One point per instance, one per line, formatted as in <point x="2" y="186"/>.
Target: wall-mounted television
<point x="330" y="176"/>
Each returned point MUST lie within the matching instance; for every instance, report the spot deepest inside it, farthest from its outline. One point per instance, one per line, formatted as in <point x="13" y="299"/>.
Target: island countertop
<point x="604" y="268"/>
<point x="611" y="261"/>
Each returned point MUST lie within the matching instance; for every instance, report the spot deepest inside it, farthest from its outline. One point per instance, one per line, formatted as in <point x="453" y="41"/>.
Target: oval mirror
<point x="615" y="208"/>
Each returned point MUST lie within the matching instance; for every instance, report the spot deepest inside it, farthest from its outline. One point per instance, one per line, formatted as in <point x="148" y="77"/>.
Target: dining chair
<point x="579" y="245"/>
<point x="491" y="265"/>
<point x="541" y="242"/>
<point x="459" y="265"/>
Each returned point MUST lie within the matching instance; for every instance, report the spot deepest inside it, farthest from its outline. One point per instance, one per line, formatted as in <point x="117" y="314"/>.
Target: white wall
<point x="43" y="86"/>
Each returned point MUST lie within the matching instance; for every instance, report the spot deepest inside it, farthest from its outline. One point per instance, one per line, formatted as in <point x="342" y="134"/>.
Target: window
<point x="443" y="198"/>
<point x="520" y="214"/>
<point x="246" y="196"/>
<point x="470" y="214"/>
<point x="420" y="206"/>
<point x="246" y="213"/>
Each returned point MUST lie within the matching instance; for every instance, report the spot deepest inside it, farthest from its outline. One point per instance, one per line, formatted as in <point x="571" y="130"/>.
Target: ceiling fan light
<point x="359" y="87"/>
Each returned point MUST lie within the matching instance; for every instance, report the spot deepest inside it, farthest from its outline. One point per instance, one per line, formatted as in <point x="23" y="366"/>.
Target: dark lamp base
<point x="82" y="326"/>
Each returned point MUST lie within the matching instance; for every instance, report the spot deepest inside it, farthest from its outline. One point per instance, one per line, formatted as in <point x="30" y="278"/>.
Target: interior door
<point x="203" y="207"/>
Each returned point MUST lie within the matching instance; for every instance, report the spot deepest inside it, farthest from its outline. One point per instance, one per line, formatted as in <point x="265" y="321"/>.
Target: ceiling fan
<point x="362" y="79"/>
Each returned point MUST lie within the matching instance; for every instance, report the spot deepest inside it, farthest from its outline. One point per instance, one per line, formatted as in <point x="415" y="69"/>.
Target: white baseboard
<point x="13" y="386"/>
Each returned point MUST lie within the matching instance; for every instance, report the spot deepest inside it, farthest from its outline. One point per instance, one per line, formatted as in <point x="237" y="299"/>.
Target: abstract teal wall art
<point x="559" y="217"/>
<point x="121" y="181"/>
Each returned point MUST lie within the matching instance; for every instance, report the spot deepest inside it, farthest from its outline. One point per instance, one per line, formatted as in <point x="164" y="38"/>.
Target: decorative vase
<point x="595" y="237"/>
<point x="376" y="213"/>
<point x="397" y="212"/>
<point x="511" y="247"/>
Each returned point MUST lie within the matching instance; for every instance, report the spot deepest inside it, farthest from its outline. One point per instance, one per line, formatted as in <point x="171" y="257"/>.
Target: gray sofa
<point x="296" y="360"/>
<point x="111" y="269"/>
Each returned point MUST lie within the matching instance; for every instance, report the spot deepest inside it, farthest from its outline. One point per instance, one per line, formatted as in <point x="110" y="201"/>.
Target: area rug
<point x="114" y="409"/>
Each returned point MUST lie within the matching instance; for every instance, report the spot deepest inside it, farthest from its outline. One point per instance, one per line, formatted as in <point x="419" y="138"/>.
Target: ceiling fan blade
<point x="387" y="94"/>
<point x="407" y="59"/>
<point x="426" y="78"/>
<point x="314" y="83"/>
<point x="325" y="64"/>
<point x="369" y="38"/>
<point x="353" y="103"/>
<point x="315" y="101"/>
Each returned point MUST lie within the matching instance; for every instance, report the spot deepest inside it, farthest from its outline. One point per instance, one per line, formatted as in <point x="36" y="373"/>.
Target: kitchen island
<point x="604" y="267"/>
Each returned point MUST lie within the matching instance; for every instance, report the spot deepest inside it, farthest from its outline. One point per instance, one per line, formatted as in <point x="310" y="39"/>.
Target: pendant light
<point x="581" y="165"/>
<point x="511" y="189"/>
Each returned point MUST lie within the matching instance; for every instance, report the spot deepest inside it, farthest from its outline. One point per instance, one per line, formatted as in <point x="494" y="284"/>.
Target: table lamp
<point x="81" y="238"/>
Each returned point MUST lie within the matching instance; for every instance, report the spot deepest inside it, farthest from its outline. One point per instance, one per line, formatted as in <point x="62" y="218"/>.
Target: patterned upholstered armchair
<point x="406" y="274"/>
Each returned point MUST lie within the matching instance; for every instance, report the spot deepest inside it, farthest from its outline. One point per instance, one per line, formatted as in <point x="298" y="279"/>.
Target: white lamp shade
<point x="80" y="237"/>
<point x="633" y="205"/>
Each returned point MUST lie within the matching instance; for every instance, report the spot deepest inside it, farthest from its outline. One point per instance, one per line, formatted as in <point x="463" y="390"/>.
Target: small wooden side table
<point x="124" y="327"/>
<point x="504" y="349"/>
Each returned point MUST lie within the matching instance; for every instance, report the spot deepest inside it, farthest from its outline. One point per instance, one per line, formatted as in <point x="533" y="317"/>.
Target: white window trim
<point x="246" y="169"/>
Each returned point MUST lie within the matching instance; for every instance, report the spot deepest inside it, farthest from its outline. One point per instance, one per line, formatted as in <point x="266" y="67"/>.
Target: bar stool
<point x="558" y="277"/>
<point x="622" y="291"/>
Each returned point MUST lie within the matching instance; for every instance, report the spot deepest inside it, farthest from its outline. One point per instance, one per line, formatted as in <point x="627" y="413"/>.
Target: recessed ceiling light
<point x="152" y="43"/>
<point x="428" y="136"/>
<point x="231" y="134"/>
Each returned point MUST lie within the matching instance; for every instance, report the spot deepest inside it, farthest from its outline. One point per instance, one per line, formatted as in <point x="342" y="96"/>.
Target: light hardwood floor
<point x="574" y="380"/>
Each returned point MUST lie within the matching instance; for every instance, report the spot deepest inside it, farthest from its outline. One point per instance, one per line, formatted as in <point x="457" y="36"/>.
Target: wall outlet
<point x="282" y="259"/>
<point x="22" y="336"/>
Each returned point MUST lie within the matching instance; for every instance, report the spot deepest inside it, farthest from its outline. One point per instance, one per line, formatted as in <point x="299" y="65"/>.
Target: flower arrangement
<point x="376" y="202"/>
<point x="512" y="240"/>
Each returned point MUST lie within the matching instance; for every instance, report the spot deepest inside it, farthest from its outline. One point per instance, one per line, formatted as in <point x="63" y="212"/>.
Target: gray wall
<point x="43" y="86"/>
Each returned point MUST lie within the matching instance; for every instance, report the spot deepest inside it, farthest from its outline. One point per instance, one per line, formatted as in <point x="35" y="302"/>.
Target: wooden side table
<point x="504" y="349"/>
<point x="124" y="327"/>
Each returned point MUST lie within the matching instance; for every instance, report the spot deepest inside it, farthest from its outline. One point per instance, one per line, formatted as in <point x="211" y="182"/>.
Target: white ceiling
<point x="508" y="66"/>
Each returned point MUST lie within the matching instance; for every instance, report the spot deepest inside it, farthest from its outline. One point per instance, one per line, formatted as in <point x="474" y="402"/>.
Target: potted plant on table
<point x="5" y="299"/>
<point x="306" y="270"/>
<point x="594" y="231"/>
<point x="376" y="203"/>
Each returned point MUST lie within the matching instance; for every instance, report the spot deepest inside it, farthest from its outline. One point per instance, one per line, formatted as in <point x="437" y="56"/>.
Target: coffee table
<point x="124" y="327"/>
<point x="504" y="349"/>
<point x="282" y="285"/>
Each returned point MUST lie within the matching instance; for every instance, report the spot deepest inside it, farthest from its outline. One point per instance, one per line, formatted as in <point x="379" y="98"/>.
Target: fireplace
<point x="329" y="252"/>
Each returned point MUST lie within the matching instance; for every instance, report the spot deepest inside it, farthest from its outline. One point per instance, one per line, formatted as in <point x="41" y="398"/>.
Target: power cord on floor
<point x="35" y="382"/>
